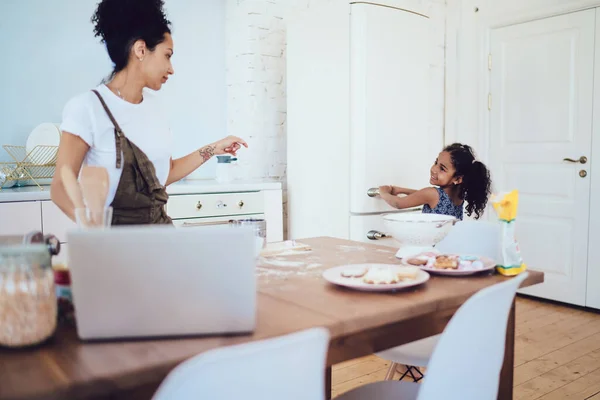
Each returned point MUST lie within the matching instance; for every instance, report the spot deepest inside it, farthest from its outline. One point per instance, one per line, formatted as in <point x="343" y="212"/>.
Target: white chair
<point x="472" y="346"/>
<point x="466" y="237"/>
<point x="287" y="367"/>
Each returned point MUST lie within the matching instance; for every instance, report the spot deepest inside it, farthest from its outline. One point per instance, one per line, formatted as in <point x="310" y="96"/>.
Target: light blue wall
<point x="48" y="53"/>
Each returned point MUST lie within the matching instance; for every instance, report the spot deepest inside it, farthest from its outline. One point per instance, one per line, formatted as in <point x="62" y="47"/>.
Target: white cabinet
<point x="20" y="218"/>
<point x="357" y="106"/>
<point x="54" y="221"/>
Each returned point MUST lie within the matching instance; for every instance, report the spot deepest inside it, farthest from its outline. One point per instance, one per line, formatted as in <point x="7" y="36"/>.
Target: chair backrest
<point x="480" y="238"/>
<point x="285" y="367"/>
<point x="467" y="360"/>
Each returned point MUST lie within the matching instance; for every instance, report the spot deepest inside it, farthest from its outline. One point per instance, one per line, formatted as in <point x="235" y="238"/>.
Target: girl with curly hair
<point x="458" y="178"/>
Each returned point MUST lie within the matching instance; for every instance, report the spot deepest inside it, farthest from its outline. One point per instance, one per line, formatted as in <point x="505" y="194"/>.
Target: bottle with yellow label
<point x="506" y="205"/>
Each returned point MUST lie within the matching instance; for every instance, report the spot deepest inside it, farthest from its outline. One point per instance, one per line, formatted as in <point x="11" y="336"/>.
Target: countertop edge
<point x="33" y="193"/>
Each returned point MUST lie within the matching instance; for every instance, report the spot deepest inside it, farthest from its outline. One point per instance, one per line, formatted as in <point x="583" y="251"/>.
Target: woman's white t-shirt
<point x="144" y="124"/>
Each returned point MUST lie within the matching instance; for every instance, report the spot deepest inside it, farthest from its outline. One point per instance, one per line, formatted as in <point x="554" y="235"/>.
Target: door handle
<point x="581" y="160"/>
<point x="373" y="192"/>
<point x="376" y="235"/>
<point x="191" y="224"/>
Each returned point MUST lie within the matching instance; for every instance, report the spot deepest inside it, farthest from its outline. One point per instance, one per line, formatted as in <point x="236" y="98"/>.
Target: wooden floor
<point x="557" y="355"/>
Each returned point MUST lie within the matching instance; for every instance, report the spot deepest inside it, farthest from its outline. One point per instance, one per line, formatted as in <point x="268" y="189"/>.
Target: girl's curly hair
<point x="476" y="182"/>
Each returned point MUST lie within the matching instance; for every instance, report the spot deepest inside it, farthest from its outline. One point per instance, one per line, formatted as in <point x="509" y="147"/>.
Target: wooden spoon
<point x="94" y="183"/>
<point x="73" y="190"/>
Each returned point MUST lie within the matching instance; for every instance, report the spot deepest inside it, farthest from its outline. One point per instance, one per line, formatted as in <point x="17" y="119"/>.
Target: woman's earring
<point x="141" y="59"/>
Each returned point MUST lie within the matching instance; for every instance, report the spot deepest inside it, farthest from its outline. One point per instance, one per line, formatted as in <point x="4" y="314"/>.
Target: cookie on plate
<point x="417" y="261"/>
<point x="407" y="273"/>
<point x="446" y="262"/>
<point x="379" y="276"/>
<point x="353" y="272"/>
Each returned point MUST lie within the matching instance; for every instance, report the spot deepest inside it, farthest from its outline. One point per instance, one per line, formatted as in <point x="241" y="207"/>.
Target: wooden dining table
<point x="292" y="296"/>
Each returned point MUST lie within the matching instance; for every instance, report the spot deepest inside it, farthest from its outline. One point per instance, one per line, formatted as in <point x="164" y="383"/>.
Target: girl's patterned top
<point x="445" y="206"/>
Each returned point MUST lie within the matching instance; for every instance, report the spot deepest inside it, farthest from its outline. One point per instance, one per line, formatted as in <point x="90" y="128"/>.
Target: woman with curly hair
<point x="121" y="126"/>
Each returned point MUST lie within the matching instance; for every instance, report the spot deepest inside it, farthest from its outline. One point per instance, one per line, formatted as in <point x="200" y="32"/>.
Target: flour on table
<point x="277" y="262"/>
<point x="350" y="248"/>
<point x="260" y="271"/>
<point x="293" y="253"/>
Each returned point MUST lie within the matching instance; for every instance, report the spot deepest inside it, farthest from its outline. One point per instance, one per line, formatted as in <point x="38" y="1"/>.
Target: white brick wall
<point x="255" y="60"/>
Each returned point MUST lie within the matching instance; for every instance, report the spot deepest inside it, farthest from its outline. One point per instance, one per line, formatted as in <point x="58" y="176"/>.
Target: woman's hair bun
<point x="120" y="23"/>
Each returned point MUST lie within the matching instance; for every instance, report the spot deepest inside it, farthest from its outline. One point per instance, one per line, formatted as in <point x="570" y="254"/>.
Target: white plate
<point x="333" y="275"/>
<point x="47" y="134"/>
<point x="488" y="265"/>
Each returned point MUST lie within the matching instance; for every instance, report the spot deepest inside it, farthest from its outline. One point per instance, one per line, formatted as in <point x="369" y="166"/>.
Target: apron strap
<point x="118" y="131"/>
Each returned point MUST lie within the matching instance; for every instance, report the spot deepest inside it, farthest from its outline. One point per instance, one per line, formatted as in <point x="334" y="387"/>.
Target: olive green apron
<point x="140" y="198"/>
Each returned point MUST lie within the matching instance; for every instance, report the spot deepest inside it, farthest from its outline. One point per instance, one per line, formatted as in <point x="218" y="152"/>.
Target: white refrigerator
<point x="357" y="103"/>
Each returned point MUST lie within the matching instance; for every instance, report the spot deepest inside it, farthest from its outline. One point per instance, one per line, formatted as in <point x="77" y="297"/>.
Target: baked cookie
<point x="417" y="261"/>
<point x="354" y="272"/>
<point x="379" y="276"/>
<point x="446" y="262"/>
<point x="407" y="273"/>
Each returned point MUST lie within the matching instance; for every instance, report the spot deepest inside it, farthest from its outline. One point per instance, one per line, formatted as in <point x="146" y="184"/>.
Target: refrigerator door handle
<point x="376" y="235"/>
<point x="373" y="192"/>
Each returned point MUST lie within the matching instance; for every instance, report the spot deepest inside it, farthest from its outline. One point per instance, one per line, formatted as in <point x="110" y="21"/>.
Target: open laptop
<point x="153" y="281"/>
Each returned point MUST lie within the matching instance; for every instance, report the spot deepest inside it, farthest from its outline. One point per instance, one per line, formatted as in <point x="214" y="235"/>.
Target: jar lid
<point x="28" y="253"/>
<point x="225" y="159"/>
<point x="36" y="250"/>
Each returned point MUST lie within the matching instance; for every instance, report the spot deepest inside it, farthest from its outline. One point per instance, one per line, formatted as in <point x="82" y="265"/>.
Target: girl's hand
<point x="229" y="145"/>
<point x="385" y="189"/>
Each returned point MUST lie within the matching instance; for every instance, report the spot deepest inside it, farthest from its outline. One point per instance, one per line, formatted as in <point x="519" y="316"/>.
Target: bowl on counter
<point x="417" y="233"/>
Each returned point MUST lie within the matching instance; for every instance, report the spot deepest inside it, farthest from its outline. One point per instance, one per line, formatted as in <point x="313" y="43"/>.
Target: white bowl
<point x="417" y="233"/>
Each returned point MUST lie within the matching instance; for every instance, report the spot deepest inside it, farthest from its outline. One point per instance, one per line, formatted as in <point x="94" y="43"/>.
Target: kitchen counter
<point x="33" y="193"/>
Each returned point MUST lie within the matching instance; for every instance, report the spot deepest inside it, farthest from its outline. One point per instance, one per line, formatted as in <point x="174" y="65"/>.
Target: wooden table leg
<point x="505" y="391"/>
<point x="328" y="383"/>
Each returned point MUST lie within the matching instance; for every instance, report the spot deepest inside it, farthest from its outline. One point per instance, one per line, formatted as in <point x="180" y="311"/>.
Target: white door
<point x="542" y="91"/>
<point x="389" y="81"/>
<point x="593" y="270"/>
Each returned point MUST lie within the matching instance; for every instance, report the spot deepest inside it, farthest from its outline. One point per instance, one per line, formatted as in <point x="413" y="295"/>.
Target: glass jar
<point x="260" y="230"/>
<point x="28" y="304"/>
<point x="225" y="169"/>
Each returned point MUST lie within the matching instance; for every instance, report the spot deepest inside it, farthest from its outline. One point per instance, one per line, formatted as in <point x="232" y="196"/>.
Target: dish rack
<point x="28" y="168"/>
